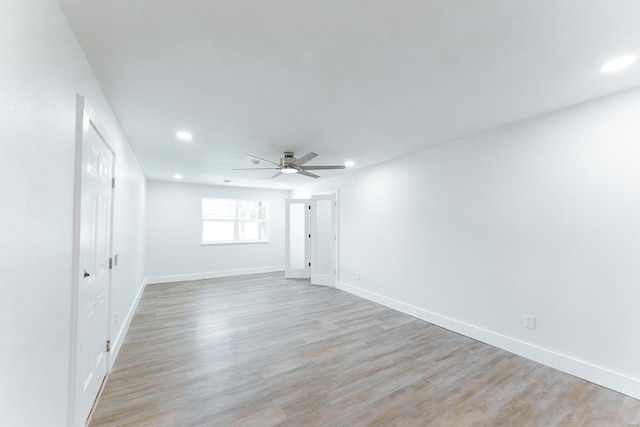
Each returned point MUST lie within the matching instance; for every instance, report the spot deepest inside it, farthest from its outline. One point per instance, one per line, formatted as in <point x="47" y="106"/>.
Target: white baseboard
<point x="116" y="345"/>
<point x="213" y="274"/>
<point x="579" y="368"/>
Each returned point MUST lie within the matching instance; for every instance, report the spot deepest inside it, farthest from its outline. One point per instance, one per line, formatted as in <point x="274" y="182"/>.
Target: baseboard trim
<point x="122" y="333"/>
<point x="213" y="274"/>
<point x="579" y="368"/>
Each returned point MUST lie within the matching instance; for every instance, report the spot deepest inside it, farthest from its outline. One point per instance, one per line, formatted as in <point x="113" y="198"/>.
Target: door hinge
<point x="309" y="207"/>
<point x="108" y="346"/>
<point x="113" y="183"/>
<point x="309" y="235"/>
<point x="110" y="263"/>
<point x="309" y="264"/>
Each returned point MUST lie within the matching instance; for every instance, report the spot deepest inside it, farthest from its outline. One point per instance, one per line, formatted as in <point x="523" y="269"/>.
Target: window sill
<point x="235" y="242"/>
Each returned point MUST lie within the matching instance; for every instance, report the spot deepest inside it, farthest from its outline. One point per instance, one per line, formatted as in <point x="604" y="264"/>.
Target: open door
<point x="297" y="240"/>
<point x="323" y="240"/>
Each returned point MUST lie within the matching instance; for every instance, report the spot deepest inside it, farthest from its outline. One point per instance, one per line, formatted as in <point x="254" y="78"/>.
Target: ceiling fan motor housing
<point x="287" y="159"/>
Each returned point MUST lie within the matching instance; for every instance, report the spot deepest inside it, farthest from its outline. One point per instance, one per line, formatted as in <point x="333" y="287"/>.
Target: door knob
<point x="86" y="274"/>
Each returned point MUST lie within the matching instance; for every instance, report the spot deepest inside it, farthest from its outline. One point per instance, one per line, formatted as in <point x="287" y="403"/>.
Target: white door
<point x="297" y="239"/>
<point x="97" y="164"/>
<point x="323" y="240"/>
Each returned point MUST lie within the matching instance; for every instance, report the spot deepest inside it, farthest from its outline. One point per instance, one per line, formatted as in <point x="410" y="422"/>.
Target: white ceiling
<point x="361" y="80"/>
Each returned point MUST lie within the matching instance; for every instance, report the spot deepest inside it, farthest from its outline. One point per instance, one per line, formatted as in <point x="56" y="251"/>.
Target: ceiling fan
<point x="289" y="164"/>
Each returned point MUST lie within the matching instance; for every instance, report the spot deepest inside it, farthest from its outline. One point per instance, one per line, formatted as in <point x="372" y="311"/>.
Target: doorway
<point x="298" y="239"/>
<point x="312" y="239"/>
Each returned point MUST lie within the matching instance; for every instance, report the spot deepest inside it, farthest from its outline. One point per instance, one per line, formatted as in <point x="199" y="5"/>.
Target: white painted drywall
<point x="42" y="69"/>
<point x="174" y="233"/>
<point x="541" y="217"/>
<point x="128" y="244"/>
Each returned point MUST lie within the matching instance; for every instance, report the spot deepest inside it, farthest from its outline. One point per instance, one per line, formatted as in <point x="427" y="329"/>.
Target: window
<point x="229" y="220"/>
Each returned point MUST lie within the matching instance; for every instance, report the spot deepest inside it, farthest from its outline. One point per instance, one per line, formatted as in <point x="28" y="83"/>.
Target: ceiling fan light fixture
<point x="288" y="169"/>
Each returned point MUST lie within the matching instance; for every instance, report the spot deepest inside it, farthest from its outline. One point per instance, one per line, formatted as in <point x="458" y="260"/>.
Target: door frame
<point x="85" y="116"/>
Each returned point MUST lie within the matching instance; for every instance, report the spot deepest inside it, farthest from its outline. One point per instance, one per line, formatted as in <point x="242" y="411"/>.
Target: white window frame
<point x="236" y="222"/>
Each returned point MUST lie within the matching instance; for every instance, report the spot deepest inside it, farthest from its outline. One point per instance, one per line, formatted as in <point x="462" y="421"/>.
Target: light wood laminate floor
<point x="261" y="350"/>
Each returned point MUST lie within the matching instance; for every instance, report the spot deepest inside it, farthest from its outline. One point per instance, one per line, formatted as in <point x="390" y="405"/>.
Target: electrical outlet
<point x="529" y="321"/>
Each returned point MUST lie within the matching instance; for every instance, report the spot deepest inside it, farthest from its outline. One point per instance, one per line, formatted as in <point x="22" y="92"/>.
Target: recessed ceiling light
<point x="349" y="163"/>
<point x="185" y="136"/>
<point x="176" y="176"/>
<point x="618" y="63"/>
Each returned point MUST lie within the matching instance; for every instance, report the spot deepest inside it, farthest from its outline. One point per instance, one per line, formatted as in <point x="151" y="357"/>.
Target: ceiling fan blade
<point x="317" y="168"/>
<point x="304" y="159"/>
<point x="276" y="175"/>
<point x="254" y="169"/>
<point x="264" y="160"/>
<point x="309" y="174"/>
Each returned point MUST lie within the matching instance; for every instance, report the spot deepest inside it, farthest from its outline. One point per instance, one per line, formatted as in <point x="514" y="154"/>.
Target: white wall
<point x="42" y="69"/>
<point x="541" y="217"/>
<point x="128" y="244"/>
<point x="174" y="233"/>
